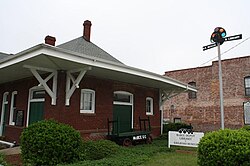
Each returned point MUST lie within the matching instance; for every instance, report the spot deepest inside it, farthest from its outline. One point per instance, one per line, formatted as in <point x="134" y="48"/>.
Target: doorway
<point x="123" y="111"/>
<point x="36" y="105"/>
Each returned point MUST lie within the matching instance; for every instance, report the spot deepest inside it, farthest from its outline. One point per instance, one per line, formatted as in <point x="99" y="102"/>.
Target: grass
<point x="146" y="155"/>
<point x="169" y="159"/>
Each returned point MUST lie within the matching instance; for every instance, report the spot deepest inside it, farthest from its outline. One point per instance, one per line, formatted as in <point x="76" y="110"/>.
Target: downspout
<point x="161" y="109"/>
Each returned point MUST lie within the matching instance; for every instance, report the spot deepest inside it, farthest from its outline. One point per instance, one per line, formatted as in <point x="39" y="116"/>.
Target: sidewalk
<point x="11" y="151"/>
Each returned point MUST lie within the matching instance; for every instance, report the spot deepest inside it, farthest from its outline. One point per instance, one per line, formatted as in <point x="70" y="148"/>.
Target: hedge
<point x="174" y="127"/>
<point x="225" y="147"/>
<point x="48" y="142"/>
<point x="95" y="150"/>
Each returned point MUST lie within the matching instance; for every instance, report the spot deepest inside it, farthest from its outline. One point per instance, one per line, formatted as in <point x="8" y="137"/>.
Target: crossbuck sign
<point x="184" y="139"/>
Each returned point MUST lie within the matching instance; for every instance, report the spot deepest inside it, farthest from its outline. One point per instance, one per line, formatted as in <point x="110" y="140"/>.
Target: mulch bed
<point x="14" y="160"/>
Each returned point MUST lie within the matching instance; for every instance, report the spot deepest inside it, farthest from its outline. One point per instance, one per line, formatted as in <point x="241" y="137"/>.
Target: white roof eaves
<point x="97" y="62"/>
<point x="91" y="61"/>
<point x="26" y="54"/>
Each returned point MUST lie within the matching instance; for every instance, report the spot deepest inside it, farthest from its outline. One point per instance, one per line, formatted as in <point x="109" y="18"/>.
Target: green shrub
<point x="135" y="155"/>
<point x="225" y="147"/>
<point x="2" y="160"/>
<point x="49" y="143"/>
<point x="95" y="150"/>
<point x="163" y="136"/>
<point x="246" y="128"/>
<point x="174" y="127"/>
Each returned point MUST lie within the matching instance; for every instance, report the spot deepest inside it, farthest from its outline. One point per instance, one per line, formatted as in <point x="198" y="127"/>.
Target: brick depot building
<point x="202" y="109"/>
<point x="79" y="84"/>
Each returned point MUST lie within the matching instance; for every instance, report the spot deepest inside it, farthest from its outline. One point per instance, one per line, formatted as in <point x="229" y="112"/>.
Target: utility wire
<point x="225" y="51"/>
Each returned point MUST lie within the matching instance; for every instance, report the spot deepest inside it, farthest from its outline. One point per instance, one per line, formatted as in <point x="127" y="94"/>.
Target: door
<point x="36" y="112"/>
<point x="36" y="105"/>
<point x="122" y="113"/>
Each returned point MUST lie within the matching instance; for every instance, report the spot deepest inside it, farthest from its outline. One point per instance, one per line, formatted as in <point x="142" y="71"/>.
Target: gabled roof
<point x="79" y="54"/>
<point x="80" y="45"/>
<point x="3" y="55"/>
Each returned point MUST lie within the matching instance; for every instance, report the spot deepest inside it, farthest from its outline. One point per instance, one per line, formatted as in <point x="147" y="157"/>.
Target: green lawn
<point x="147" y="155"/>
<point x="172" y="159"/>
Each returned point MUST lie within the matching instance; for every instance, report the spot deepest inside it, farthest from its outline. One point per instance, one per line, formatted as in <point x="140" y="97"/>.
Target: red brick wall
<point x="22" y="87"/>
<point x="91" y="126"/>
<point x="204" y="111"/>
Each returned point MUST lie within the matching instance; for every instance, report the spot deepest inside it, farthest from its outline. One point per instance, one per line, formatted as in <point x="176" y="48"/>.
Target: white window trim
<point x="34" y="89"/>
<point x="246" y="119"/>
<point x="92" y="111"/>
<point x="5" y="101"/>
<point x="12" y="108"/>
<point x="124" y="103"/>
<point x="151" y="106"/>
<point x="245" y="86"/>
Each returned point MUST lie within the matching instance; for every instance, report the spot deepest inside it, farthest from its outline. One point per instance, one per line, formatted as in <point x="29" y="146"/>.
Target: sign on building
<point x="184" y="139"/>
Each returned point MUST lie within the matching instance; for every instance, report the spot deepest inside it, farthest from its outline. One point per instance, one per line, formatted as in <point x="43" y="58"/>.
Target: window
<point x="192" y="95"/>
<point x="172" y="108"/>
<point x="247" y="86"/>
<point x="87" y="101"/>
<point x="13" y="108"/>
<point x="38" y="94"/>
<point x="4" y="112"/>
<point x="149" y="106"/>
<point x="247" y="113"/>
<point x="177" y="120"/>
<point x="122" y="97"/>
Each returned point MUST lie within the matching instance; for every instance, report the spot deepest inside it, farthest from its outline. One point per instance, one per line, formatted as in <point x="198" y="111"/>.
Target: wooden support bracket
<point x="70" y="88"/>
<point x="43" y="82"/>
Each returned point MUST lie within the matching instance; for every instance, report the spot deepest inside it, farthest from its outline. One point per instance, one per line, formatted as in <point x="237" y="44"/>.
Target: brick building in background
<point x="202" y="109"/>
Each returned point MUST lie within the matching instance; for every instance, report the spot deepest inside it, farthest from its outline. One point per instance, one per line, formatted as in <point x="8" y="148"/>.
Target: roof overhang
<point x="51" y="57"/>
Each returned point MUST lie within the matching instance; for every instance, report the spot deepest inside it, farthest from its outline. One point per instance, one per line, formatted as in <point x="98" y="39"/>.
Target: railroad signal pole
<point x="218" y="37"/>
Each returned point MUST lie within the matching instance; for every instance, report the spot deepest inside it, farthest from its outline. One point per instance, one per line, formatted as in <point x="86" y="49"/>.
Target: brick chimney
<point x="86" y="30"/>
<point x="50" y="40"/>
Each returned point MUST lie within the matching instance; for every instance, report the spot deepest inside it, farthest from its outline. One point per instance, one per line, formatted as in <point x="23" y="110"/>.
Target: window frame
<point x="246" y="112"/>
<point x="151" y="106"/>
<point x="177" y="120"/>
<point x="87" y="111"/>
<point x="130" y="102"/>
<point x="12" y="108"/>
<point x="4" y="104"/>
<point x="192" y="95"/>
<point x="245" y="87"/>
<point x="36" y="99"/>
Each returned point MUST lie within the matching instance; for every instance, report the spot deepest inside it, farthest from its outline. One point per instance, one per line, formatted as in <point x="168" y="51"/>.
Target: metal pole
<point x="221" y="89"/>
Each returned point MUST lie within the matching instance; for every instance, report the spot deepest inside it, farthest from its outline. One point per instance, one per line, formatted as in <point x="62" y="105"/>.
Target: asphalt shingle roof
<point x="3" y="55"/>
<point x="80" y="45"/>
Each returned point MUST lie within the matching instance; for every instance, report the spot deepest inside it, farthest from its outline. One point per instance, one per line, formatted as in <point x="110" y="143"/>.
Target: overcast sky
<point x="155" y="35"/>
